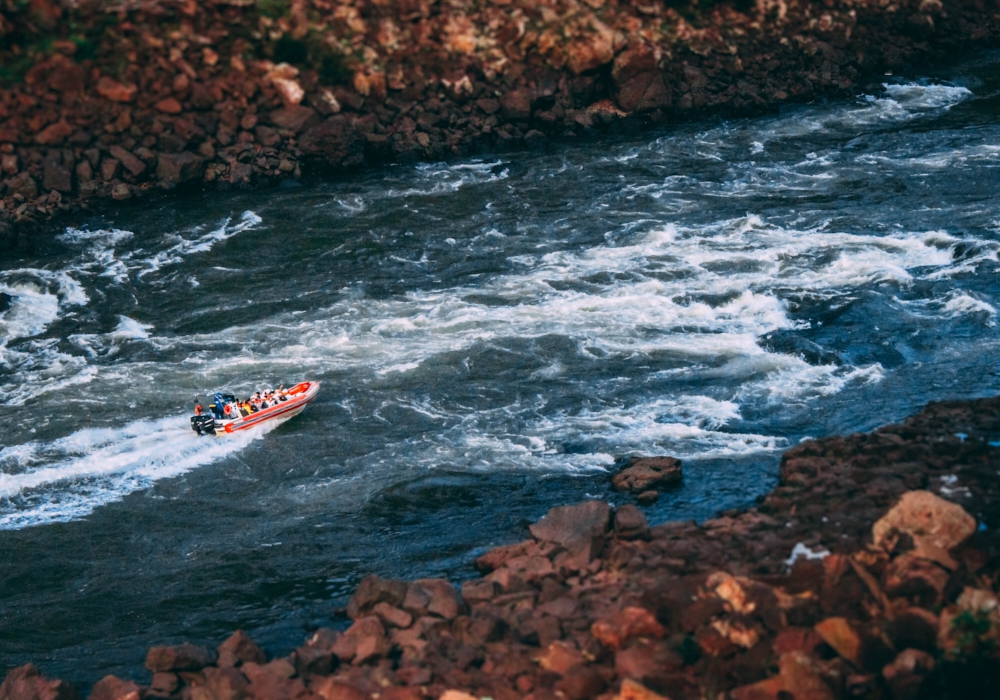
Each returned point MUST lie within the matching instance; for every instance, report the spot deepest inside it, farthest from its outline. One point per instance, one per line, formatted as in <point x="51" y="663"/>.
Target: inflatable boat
<point x="290" y="402"/>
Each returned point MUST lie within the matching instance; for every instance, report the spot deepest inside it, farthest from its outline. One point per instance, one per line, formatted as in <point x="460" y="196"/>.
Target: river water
<point x="490" y="335"/>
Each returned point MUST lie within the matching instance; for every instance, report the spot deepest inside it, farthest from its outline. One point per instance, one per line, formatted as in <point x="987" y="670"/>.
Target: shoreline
<point x="100" y="106"/>
<point x="871" y="570"/>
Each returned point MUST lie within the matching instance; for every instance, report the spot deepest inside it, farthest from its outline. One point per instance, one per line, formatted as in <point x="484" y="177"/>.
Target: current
<point x="492" y="334"/>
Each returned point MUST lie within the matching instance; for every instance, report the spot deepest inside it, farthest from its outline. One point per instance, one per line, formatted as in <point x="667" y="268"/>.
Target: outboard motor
<point x="203" y="424"/>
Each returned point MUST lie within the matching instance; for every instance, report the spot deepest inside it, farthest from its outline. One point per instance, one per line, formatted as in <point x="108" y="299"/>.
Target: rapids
<point x="491" y="333"/>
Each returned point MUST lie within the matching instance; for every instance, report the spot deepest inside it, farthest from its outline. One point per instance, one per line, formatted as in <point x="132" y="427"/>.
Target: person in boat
<point x="217" y="406"/>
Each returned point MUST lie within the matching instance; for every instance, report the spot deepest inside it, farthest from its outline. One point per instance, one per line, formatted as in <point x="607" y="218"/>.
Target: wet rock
<point x="907" y="673"/>
<point x="647" y="498"/>
<point x="115" y="91"/>
<point x="128" y="160"/>
<point x="616" y="630"/>
<point x="5" y="301"/>
<point x="114" y="688"/>
<point x="926" y="518"/>
<point x="630" y="523"/>
<point x="182" y="657"/>
<point x="238" y="649"/>
<point x="642" y="474"/>
<point x="175" y="168"/>
<point x="392" y="616"/>
<point x="163" y="684"/>
<point x="226" y="683"/>
<point x="565" y="525"/>
<point x="27" y="683"/>
<point x="335" y="142"/>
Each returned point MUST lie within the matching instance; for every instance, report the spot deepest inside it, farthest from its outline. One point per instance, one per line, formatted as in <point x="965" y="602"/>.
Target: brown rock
<point x="163" y="684"/>
<point x="645" y="660"/>
<point x="630" y="523"/>
<point x="120" y="192"/>
<point x="799" y="678"/>
<point x="56" y="175"/>
<point x="84" y="171"/>
<point x="581" y="681"/>
<point x="631" y="623"/>
<point x="591" y="51"/>
<point x="914" y="577"/>
<point x="631" y="690"/>
<point x="393" y="616"/>
<point x="928" y="517"/>
<point x="907" y="672"/>
<point x="841" y="636"/>
<point x="647" y="498"/>
<point x="644" y="93"/>
<point x="644" y="473"/>
<point x="641" y="58"/>
<point x="241" y="649"/>
<point x="54" y="133"/>
<point x="289" y="90"/>
<point x="27" y="683"/>
<point x="516" y="104"/>
<point x="559" y="657"/>
<point x="169" y="105"/>
<point x="337" y="689"/>
<point x="914" y="628"/>
<point x="9" y="164"/>
<point x="114" y="688"/>
<point x="109" y="168"/>
<point x="479" y="590"/>
<point x="183" y="657"/>
<point x="363" y="640"/>
<point x="23" y="185"/>
<point x="565" y="525"/>
<point x="226" y="683"/>
<point x="128" y="160"/>
<point x="175" y="168"/>
<point x="294" y="118"/>
<point x="796" y="639"/>
<point x="335" y="142"/>
<point x="432" y="596"/>
<point x="115" y="91"/>
<point x="67" y="77"/>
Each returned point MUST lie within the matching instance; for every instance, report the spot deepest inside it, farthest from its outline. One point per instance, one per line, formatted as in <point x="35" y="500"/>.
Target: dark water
<point x="490" y="334"/>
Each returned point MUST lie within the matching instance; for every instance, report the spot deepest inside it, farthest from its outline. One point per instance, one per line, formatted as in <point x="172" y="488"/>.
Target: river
<point x="491" y="334"/>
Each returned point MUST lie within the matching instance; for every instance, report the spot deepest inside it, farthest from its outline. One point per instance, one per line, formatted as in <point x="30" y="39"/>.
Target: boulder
<point x="907" y="672"/>
<point x="163" y="684"/>
<point x="289" y="90"/>
<point x="27" y="683"/>
<point x="392" y="616"/>
<point x="128" y="160"/>
<point x="581" y="681"/>
<point x="516" y="104"/>
<point x="841" y="636"/>
<point x="630" y="523"/>
<point x="916" y="578"/>
<point x="175" y="168"/>
<point x="55" y="175"/>
<point x="565" y="525"/>
<point x="641" y="474"/>
<point x="363" y="640"/>
<point x="591" y="51"/>
<point x="560" y="656"/>
<point x="182" y="657"/>
<point x="226" y="683"/>
<point x="644" y="93"/>
<point x="114" y="688"/>
<point x="373" y="590"/>
<point x="54" y="134"/>
<point x="435" y="597"/>
<point x="615" y="630"/>
<point x="632" y="690"/>
<point x="294" y="117"/>
<point x="240" y="649"/>
<point x="115" y="91"/>
<point x="335" y="142"/>
<point x="799" y="677"/>
<point x="928" y="519"/>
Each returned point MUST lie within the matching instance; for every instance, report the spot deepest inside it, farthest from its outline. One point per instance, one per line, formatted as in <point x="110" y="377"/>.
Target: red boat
<point x="290" y="402"/>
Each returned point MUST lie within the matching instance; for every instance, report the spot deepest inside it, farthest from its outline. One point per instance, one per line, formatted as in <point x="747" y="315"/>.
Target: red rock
<point x="336" y="689"/>
<point x="175" y="168"/>
<point x="109" y="168"/>
<point x="289" y="90"/>
<point x="479" y="590"/>
<point x="226" y="683"/>
<point x="631" y="690"/>
<point x="335" y="142"/>
<point x="926" y="516"/>
<point x="644" y="473"/>
<point x="796" y="639"/>
<point x="841" y="636"/>
<point x="516" y="104"/>
<point x="9" y="164"/>
<point x="67" y="77"/>
<point x="294" y="118"/>
<point x="591" y="51"/>
<point x="57" y="176"/>
<point x="114" y="688"/>
<point x="163" y="684"/>
<point x="240" y="648"/>
<point x="115" y="91"/>
<point x="907" y="673"/>
<point x="913" y="577"/>
<point x="183" y="657"/>
<point x="127" y="159"/>
<point x="581" y="681"/>
<point x="54" y="133"/>
<point x="393" y="616"/>
<point x="565" y="525"/>
<point x="432" y="596"/>
<point x="631" y="623"/>
<point x="559" y="656"/>
<point x="169" y="105"/>
<point x="27" y="683"/>
<point x="646" y="659"/>
<point x="363" y="640"/>
<point x="644" y="93"/>
<point x="799" y="678"/>
<point x="630" y="523"/>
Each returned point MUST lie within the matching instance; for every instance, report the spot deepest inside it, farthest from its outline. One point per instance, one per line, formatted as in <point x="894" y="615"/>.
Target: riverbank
<point x="870" y="571"/>
<point x="107" y="102"/>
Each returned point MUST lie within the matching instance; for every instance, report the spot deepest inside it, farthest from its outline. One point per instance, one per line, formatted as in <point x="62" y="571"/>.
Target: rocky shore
<point x="870" y="571"/>
<point x="105" y="101"/>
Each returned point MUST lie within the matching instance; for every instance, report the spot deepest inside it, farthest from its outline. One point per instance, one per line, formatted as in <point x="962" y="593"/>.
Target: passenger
<point x="246" y="409"/>
<point x="198" y="410"/>
<point x="217" y="406"/>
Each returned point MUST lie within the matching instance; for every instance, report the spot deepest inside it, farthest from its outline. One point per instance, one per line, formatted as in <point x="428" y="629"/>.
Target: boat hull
<point x="299" y="396"/>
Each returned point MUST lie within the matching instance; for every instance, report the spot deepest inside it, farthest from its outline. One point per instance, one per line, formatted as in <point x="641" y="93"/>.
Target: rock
<point x="226" y="683"/>
<point x="591" y="51"/>
<point x="925" y="517"/>
<point x="363" y="640"/>
<point x="630" y="523"/>
<point x="916" y="578"/>
<point x="289" y="90"/>
<point x="163" y="684"/>
<point x="516" y="104"/>
<point x="479" y="590"/>
<point x="183" y="657"/>
<point x="392" y="616"/>
<point x="120" y="192"/>
<point x="23" y="185"/>
<point x="27" y="683"/>
<point x="84" y="171"/>
<point x="54" y="134"/>
<point x="796" y="639"/>
<point x="115" y="91"/>
<point x="169" y="105"/>
<point x="581" y="681"/>
<point x="109" y="168"/>
<point x="631" y="690"/>
<point x="336" y="689"/>
<point x="457" y="695"/>
<point x="114" y="688"/>
<point x="907" y="672"/>
<point x="841" y="636"/>
<point x="565" y="525"/>
<point x="239" y="648"/>
<point x="9" y="164"/>
<point x="175" y="168"/>
<point x="432" y="597"/>
<point x="644" y="660"/>
<point x="294" y="118"/>
<point x="67" y="77"/>
<point x="644" y="473"/>
<point x="535" y="139"/>
<point x="616" y="630"/>
<point x="914" y="628"/>
<point x="57" y="176"/>
<point x="648" y="498"/>
<point x="335" y="142"/>
<point x="128" y="160"/>
<point x="644" y="93"/>
<point x="559" y="657"/>
<point x="799" y="677"/>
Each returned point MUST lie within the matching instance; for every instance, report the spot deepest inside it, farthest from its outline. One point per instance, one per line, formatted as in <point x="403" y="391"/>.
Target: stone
<point x="646" y="659"/>
<point x="796" y="639"/>
<point x="128" y="160"/>
<point x="163" y="684"/>
<point x="226" y="683"/>
<point x="27" y="683"/>
<point x="294" y="117"/>
<point x="175" y="168"/>
<point x="115" y="91"/>
<point x="632" y="690"/>
<point x="335" y="142"/>
<point x="616" y="630"/>
<point x="67" y="77"/>
<point x="630" y="523"/>
<point x="565" y="525"/>
<point x="392" y="616"/>
<point x="434" y="597"/>
<point x="336" y="689"/>
<point x="457" y="695"/>
<point x="915" y="628"/>
<point x="57" y="176"/>
<point x="841" y="636"/>
<point x="9" y="164"/>
<point x="289" y="90"/>
<point x="479" y="590"/>
<point x="644" y="473"/>
<point x="907" y="672"/>
<point x="591" y="51"/>
<point x="182" y="657"/>
<point x="799" y="677"/>
<point x="644" y="93"/>
<point x="114" y="688"/>
<point x="914" y="577"/>
<point x="559" y="657"/>
<point x="927" y="517"/>
<point x="120" y="192"/>
<point x="54" y="134"/>
<point x="84" y="171"/>
<point x="363" y="640"/>
<point x="23" y="185"/>
<point x="535" y="139"/>
<point x="516" y="104"/>
<point x="169" y="105"/>
<point x="241" y="649"/>
<point x="581" y="681"/>
<point x="109" y="168"/>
